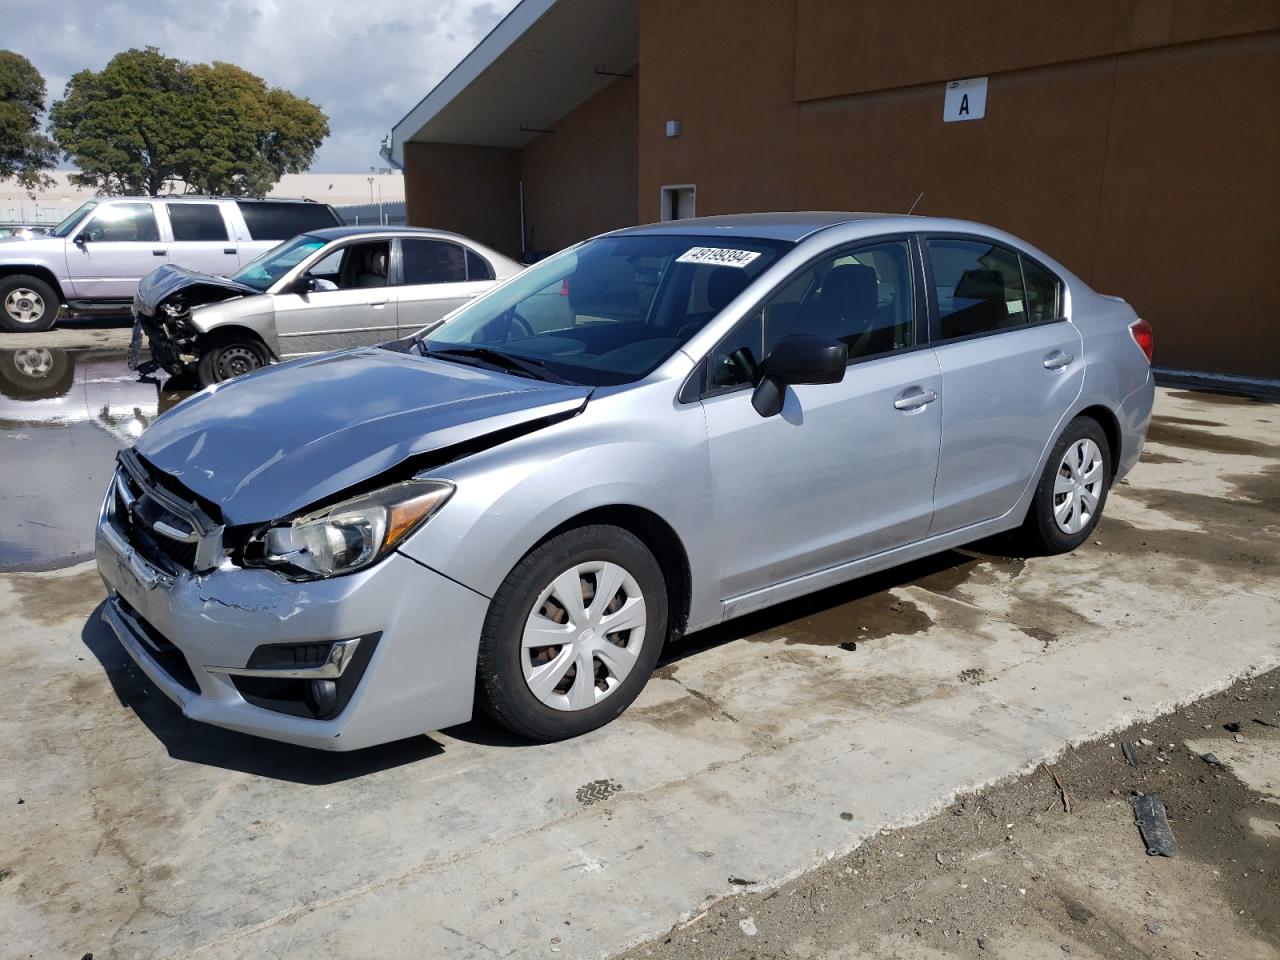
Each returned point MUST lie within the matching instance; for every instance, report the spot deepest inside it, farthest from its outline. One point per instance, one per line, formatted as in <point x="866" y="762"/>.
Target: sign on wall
<point x="965" y="100"/>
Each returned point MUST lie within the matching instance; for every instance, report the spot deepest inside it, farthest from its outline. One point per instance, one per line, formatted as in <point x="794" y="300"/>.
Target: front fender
<point x="256" y="314"/>
<point x="638" y="448"/>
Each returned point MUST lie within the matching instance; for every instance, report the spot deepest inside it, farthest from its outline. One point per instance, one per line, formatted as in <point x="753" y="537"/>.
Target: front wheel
<point x="1072" y="491"/>
<point x="27" y="304"/>
<point x="573" y="634"/>
<point x="222" y="361"/>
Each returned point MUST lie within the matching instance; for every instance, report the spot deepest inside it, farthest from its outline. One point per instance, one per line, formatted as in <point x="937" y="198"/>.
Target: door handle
<point x="229" y="250"/>
<point x="1056" y="360"/>
<point x="914" y="399"/>
<point x="157" y="253"/>
<point x="379" y="303"/>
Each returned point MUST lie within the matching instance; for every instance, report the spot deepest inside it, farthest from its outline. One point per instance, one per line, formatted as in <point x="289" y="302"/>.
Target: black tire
<point x="231" y="357"/>
<point x="30" y="293"/>
<point x="502" y="690"/>
<point x="1040" y="531"/>
<point x="36" y="373"/>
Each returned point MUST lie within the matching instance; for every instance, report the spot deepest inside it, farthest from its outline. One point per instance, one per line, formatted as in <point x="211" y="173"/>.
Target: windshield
<point x="276" y="262"/>
<point x="609" y="311"/>
<point x="70" y="223"/>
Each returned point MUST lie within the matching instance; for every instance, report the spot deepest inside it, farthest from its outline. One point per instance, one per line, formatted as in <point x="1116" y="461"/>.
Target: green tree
<point x="25" y="153"/>
<point x="147" y="120"/>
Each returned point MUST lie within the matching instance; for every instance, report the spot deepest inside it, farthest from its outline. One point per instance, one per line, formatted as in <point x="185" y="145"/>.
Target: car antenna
<point x="917" y="201"/>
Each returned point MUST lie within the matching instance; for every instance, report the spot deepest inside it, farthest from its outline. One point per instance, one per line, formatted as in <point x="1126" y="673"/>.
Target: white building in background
<point x="337" y="189"/>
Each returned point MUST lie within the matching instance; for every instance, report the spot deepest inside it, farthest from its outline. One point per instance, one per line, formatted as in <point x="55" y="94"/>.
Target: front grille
<point x="165" y="538"/>
<point x="168" y="657"/>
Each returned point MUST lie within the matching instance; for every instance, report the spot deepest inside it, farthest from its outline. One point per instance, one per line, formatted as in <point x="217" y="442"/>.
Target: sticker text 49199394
<point x="718" y="256"/>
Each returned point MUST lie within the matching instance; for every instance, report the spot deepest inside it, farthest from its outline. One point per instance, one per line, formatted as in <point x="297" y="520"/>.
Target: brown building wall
<point x="1136" y="141"/>
<point x="581" y="179"/>
<point x="726" y="70"/>
<point x="474" y="191"/>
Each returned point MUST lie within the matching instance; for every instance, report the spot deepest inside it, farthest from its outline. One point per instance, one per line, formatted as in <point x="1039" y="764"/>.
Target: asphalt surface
<point x="128" y="831"/>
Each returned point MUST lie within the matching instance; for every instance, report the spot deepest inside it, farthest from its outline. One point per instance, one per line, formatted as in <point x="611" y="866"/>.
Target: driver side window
<point x="353" y="267"/>
<point x="123" y="222"/>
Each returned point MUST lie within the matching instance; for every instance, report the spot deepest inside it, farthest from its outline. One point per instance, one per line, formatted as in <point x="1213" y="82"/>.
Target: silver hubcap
<point x="34" y="362"/>
<point x="583" y="636"/>
<point x="1078" y="486"/>
<point x="24" y="305"/>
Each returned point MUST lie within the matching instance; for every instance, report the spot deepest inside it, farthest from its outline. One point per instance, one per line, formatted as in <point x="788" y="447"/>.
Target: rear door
<point x="202" y="239"/>
<point x="117" y="245"/>
<point x="350" y="304"/>
<point x="432" y="277"/>
<point x="1011" y="368"/>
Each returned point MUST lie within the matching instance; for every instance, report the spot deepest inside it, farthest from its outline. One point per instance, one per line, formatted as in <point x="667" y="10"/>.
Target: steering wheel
<point x="513" y="319"/>
<point x="744" y="364"/>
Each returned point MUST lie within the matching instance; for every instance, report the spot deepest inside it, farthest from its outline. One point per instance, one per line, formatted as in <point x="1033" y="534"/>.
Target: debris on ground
<point x="1211" y="759"/>
<point x="748" y="926"/>
<point x="1153" y="824"/>
<point x="1130" y="754"/>
<point x="1062" y="789"/>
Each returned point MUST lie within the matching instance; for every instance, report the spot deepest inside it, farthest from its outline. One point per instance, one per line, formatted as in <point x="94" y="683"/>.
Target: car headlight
<point x="353" y="534"/>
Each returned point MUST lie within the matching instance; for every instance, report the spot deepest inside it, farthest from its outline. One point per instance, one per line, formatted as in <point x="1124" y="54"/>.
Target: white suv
<point x="93" y="260"/>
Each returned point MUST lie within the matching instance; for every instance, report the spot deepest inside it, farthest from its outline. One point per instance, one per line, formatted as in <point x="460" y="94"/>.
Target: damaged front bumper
<point x="238" y="647"/>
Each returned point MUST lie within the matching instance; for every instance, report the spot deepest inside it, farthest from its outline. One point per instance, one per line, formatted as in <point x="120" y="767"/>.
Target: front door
<point x="201" y="240"/>
<point x="434" y="279"/>
<point x="846" y="470"/>
<point x="349" y="305"/>
<point x="116" y="247"/>
<point x="1011" y="368"/>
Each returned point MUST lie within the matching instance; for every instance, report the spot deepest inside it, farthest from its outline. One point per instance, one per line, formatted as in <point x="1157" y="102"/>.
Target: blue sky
<point x="366" y="63"/>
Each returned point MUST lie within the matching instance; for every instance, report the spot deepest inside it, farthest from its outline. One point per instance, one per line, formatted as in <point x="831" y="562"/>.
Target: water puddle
<point x="63" y="415"/>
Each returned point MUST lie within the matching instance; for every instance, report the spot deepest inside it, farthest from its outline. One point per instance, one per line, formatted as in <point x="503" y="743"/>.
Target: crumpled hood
<point x="266" y="445"/>
<point x="163" y="283"/>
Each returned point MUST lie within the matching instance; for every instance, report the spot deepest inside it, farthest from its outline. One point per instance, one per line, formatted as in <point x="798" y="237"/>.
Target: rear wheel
<point x="27" y="304"/>
<point x="230" y="358"/>
<point x="573" y="634"/>
<point x="1072" y="491"/>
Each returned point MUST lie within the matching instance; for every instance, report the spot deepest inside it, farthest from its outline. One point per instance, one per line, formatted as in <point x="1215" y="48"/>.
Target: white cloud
<point x="364" y="63"/>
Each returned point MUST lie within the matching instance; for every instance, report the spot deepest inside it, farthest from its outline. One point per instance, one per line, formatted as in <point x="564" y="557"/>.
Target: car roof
<point x="339" y="233"/>
<point x="790" y="226"/>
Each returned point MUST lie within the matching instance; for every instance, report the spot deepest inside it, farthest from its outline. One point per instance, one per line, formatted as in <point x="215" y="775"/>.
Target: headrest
<point x="852" y="286"/>
<point x="980" y="285"/>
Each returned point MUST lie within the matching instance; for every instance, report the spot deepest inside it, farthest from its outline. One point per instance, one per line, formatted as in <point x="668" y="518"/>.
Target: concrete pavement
<point x="761" y="749"/>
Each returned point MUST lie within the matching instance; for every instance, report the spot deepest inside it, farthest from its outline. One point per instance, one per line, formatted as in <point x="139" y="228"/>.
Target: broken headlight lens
<point x="353" y="534"/>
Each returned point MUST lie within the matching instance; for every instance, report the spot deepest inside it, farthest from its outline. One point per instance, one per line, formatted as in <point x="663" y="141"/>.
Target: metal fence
<point x="389" y="214"/>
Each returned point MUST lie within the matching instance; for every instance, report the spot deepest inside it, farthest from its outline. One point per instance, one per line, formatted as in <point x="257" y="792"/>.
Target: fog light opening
<point x="322" y="697"/>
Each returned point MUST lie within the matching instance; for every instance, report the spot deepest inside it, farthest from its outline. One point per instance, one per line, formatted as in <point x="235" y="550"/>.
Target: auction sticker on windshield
<point x="718" y="255"/>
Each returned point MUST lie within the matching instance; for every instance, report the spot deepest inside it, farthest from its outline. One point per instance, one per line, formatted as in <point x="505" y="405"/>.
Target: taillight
<point x="1140" y="330"/>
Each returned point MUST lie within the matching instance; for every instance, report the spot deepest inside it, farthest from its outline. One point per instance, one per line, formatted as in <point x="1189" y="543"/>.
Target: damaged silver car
<point x="646" y="434"/>
<point x="325" y="290"/>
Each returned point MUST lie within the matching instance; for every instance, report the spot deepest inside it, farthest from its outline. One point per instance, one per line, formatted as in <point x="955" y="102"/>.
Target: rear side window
<point x="1044" y="292"/>
<point x="432" y="261"/>
<point x="478" y="267"/>
<point x="977" y="286"/>
<point x="123" y="221"/>
<point x="197" y="221"/>
<point x="268" y="220"/>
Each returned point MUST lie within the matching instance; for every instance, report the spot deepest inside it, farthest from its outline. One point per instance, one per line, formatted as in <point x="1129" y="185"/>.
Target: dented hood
<point x="163" y="283"/>
<point x="276" y="441"/>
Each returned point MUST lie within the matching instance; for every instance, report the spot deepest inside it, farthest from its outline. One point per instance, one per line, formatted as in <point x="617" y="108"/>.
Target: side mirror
<point x="303" y="285"/>
<point x="81" y="238"/>
<point x="797" y="359"/>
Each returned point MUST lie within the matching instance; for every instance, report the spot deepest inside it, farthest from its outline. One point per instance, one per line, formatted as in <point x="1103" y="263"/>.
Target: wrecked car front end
<point x="163" y="315"/>
<point x="255" y="574"/>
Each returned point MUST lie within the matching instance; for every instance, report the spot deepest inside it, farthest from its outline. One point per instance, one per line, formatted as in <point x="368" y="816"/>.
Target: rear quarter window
<point x="280" y="221"/>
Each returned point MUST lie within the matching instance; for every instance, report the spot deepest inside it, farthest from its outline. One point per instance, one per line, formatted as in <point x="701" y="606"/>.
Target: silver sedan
<point x="327" y="289"/>
<point x="647" y="434"/>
